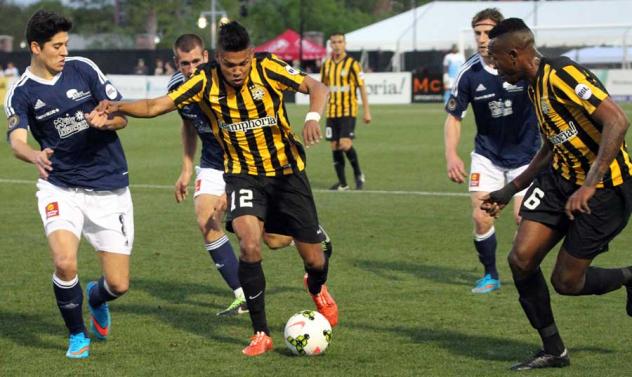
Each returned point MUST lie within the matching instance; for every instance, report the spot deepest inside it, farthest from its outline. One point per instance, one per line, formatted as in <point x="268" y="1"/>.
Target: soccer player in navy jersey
<point x="506" y="139"/>
<point x="209" y="191"/>
<point x="83" y="181"/>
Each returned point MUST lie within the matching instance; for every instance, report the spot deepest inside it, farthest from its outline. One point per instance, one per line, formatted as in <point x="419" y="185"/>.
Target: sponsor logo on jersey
<point x="485" y="96"/>
<point x="111" y="91"/>
<point x="291" y="70"/>
<point x="475" y="179"/>
<point x="76" y="95"/>
<point x="13" y="121"/>
<point x="500" y="108"/>
<point x="249" y="124"/>
<point x="39" y="104"/>
<point x="481" y="88"/>
<point x="52" y="210"/>
<point x="47" y="114"/>
<point x="565" y="135"/>
<point x="583" y="91"/>
<point x="257" y="92"/>
<point x="512" y="88"/>
<point x="70" y="124"/>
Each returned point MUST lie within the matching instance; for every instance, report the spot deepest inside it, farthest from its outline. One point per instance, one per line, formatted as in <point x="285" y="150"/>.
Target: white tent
<point x="600" y="55"/>
<point x="439" y="24"/>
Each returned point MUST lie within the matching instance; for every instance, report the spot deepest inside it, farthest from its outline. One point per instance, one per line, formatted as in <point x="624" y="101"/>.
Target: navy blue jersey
<point x="506" y="125"/>
<point x="212" y="155"/>
<point x="53" y="110"/>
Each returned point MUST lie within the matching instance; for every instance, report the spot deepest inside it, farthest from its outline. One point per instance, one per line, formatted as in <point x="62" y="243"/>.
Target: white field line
<point x="320" y="191"/>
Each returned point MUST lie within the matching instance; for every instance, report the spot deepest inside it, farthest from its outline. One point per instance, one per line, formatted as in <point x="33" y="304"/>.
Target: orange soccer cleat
<point x="259" y="343"/>
<point x="326" y="305"/>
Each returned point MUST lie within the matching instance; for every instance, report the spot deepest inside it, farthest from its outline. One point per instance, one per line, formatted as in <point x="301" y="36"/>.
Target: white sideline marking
<point x="320" y="191"/>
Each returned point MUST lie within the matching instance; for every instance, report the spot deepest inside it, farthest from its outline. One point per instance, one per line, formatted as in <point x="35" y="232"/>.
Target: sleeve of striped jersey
<point x="283" y="75"/>
<point x="460" y="97"/>
<point x="359" y="74"/>
<point x="582" y="89"/>
<point x="100" y="86"/>
<point x="16" y="109"/>
<point x="322" y="72"/>
<point x="191" y="91"/>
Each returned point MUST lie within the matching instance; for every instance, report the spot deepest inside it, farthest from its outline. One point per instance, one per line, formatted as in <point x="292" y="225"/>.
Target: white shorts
<point x="209" y="181"/>
<point x="105" y="218"/>
<point x="487" y="177"/>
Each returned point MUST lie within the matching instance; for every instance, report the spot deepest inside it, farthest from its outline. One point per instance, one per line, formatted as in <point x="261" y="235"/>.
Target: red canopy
<point x="286" y="46"/>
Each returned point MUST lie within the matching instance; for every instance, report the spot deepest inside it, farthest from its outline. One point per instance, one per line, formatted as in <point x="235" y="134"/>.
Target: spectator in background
<point x="452" y="62"/>
<point x="11" y="70"/>
<point x="141" y="68"/>
<point x="159" y="68"/>
<point x="169" y="69"/>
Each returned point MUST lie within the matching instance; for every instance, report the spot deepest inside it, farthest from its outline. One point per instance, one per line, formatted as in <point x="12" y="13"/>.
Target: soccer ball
<point x="307" y="333"/>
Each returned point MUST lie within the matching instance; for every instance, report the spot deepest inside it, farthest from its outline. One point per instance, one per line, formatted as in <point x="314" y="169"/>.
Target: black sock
<point x="317" y="277"/>
<point x="352" y="156"/>
<point x="485" y="245"/>
<point x="253" y="282"/>
<point x="536" y="303"/>
<point x="100" y="294"/>
<point x="602" y="280"/>
<point x="339" y="166"/>
<point x="69" y="300"/>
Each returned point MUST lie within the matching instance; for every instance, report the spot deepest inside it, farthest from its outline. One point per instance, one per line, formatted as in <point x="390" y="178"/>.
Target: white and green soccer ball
<point x="307" y="333"/>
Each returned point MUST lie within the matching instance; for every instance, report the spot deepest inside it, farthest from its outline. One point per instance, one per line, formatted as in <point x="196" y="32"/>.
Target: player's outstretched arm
<point x="451" y="138"/>
<point x="145" y="108"/>
<point x="615" y="124"/>
<point x="317" y="99"/>
<point x="23" y="151"/>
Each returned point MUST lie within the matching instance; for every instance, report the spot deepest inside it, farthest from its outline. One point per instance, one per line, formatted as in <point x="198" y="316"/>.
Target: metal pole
<point x="213" y="24"/>
<point x="413" y="4"/>
<point x="301" y="31"/>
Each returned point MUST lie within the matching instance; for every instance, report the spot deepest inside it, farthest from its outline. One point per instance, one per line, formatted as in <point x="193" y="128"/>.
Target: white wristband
<point x="312" y="115"/>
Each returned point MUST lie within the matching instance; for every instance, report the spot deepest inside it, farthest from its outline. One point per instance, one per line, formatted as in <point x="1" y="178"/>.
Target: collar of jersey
<point x="40" y="80"/>
<point x="488" y="68"/>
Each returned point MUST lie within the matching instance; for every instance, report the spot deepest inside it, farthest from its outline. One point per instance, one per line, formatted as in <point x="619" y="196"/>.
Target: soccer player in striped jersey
<point x="582" y="185"/>
<point x="83" y="182"/>
<point x="506" y="139"/>
<point x="189" y="53"/>
<point x="264" y="166"/>
<point x="343" y="75"/>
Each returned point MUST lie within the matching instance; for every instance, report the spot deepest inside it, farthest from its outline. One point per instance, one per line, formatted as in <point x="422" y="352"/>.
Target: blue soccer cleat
<point x="99" y="317"/>
<point x="78" y="346"/>
<point x="486" y="284"/>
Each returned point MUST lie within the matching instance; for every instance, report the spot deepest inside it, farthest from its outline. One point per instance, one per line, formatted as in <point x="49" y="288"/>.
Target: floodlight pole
<point x="213" y="24"/>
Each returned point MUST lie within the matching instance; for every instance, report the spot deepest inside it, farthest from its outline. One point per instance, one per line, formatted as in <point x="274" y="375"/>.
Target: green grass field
<point x="402" y="271"/>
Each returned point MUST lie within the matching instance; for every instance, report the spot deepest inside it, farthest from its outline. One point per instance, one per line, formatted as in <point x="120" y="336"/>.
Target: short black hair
<point x="44" y="24"/>
<point x="233" y="37"/>
<point x="337" y="33"/>
<point x="487" y="14"/>
<point x="187" y="42"/>
<point x="510" y="25"/>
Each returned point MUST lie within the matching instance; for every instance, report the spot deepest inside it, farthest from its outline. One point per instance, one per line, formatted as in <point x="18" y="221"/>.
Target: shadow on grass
<point x="480" y="347"/>
<point x="439" y="274"/>
<point x="27" y="329"/>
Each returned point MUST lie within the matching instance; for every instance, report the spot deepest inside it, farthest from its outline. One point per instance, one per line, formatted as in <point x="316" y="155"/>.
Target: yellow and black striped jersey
<point x="343" y="79"/>
<point x="565" y="94"/>
<point x="251" y="122"/>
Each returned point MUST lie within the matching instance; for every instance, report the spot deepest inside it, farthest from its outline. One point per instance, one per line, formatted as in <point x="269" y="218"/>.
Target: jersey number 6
<point x="533" y="201"/>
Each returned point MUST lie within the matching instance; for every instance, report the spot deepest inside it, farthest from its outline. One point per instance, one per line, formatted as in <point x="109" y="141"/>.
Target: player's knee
<point x="520" y="263"/>
<point x="207" y="224"/>
<point x="65" y="268"/>
<point x="250" y="249"/>
<point x="118" y="286"/>
<point x="565" y="285"/>
<point x="482" y="221"/>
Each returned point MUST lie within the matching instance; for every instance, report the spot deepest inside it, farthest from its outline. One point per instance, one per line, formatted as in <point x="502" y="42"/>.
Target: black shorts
<point x="589" y="234"/>
<point x="285" y="204"/>
<point x="338" y="128"/>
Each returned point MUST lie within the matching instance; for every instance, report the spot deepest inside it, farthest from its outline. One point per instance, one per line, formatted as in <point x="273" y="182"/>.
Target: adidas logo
<point x="39" y="104"/>
<point x="480" y="88"/>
